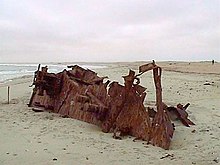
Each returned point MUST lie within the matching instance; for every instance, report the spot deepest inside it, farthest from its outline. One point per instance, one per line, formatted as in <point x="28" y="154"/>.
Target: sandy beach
<point x="43" y="138"/>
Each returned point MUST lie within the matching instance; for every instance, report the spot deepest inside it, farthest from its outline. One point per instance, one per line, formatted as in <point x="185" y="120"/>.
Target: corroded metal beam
<point x="81" y="94"/>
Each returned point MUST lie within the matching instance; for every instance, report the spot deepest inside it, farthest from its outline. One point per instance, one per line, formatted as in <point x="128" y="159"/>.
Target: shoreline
<point x="173" y="66"/>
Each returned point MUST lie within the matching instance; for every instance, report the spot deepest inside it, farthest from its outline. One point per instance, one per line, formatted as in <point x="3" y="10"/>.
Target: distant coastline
<point x="9" y="71"/>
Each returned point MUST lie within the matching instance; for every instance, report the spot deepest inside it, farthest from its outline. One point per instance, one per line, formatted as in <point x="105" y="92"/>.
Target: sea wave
<point x="11" y="71"/>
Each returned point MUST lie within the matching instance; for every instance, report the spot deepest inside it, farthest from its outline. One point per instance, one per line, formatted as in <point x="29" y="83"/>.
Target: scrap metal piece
<point x="37" y="109"/>
<point x="162" y="128"/>
<point x="81" y="94"/>
<point x="179" y="113"/>
<point x="131" y="116"/>
<point x="151" y="112"/>
<point x="174" y="113"/>
<point x="147" y="67"/>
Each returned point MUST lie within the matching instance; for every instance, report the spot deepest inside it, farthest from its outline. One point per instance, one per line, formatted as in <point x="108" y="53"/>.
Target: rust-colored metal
<point x="127" y="113"/>
<point x="174" y="113"/>
<point x="179" y="113"/>
<point x="162" y="129"/>
<point x="81" y="94"/>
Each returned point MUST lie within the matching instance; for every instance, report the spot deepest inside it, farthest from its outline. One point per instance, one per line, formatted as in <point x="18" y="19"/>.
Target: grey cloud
<point x="122" y="30"/>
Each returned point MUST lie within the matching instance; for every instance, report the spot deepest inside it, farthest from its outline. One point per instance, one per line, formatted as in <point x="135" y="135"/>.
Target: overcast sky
<point x="109" y="30"/>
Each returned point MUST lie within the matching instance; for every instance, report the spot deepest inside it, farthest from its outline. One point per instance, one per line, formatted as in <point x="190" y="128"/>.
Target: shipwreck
<point x="81" y="94"/>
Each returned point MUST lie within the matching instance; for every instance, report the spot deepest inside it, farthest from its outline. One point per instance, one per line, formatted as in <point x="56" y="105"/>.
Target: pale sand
<point x="44" y="138"/>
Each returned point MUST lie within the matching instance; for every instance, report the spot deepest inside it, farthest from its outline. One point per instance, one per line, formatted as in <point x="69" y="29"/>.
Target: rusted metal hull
<point x="82" y="95"/>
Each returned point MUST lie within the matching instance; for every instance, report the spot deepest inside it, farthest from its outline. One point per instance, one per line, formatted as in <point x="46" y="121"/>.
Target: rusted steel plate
<point x="81" y="94"/>
<point x="162" y="129"/>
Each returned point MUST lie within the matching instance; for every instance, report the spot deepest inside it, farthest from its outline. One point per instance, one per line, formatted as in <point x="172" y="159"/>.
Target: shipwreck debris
<point x="179" y="113"/>
<point x="81" y="94"/>
<point x="37" y="109"/>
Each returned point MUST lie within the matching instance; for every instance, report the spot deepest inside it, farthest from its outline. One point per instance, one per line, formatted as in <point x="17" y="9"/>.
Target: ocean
<point x="11" y="71"/>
